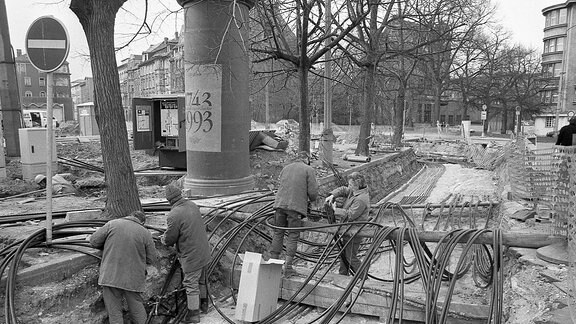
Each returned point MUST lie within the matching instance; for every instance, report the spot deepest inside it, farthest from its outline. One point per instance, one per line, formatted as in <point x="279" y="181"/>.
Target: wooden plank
<point x="375" y="298"/>
<point x="513" y="239"/>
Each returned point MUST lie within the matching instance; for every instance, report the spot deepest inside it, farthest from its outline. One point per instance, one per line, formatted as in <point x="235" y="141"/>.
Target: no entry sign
<point x="47" y="43"/>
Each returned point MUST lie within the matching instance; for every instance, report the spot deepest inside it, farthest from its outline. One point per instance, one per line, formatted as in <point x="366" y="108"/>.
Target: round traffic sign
<point x="484" y="107"/>
<point x="47" y="43"/>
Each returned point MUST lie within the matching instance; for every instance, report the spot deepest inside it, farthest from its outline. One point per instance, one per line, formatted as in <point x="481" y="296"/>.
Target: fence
<point x="547" y="177"/>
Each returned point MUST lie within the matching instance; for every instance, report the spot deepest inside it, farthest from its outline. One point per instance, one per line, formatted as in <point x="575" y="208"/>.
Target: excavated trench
<point x="77" y="298"/>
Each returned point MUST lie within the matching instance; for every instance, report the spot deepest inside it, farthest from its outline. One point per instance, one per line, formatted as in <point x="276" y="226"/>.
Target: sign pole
<point x="47" y="46"/>
<point x="49" y="99"/>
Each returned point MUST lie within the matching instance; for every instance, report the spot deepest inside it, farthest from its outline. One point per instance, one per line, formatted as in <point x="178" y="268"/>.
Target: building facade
<point x="82" y="90"/>
<point x="558" y="67"/>
<point x="32" y="88"/>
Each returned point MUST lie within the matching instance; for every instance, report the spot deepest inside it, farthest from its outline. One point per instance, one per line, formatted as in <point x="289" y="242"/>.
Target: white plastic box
<point x="259" y="287"/>
<point x="33" y="152"/>
<point x="33" y="148"/>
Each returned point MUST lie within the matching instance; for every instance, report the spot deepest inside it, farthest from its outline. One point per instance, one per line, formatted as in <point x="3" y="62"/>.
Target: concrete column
<point x="217" y="115"/>
<point x="11" y="112"/>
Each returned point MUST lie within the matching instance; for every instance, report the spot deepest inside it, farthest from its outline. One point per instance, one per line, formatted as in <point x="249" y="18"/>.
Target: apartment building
<point x="558" y="67"/>
<point x="32" y="88"/>
<point x="82" y="90"/>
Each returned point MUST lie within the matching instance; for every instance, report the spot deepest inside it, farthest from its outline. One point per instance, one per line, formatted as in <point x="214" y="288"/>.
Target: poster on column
<point x="204" y="109"/>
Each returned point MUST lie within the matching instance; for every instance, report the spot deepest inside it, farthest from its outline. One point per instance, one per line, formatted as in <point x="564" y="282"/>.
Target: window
<point x="28" y="94"/>
<point x="550" y="121"/>
<point x="42" y="94"/>
<point x="556" y="17"/>
<point x="551" y="70"/>
<point x="427" y="113"/>
<point x="27" y="81"/>
<point x="562" y="16"/>
<point x="42" y="81"/>
<point x="450" y="119"/>
<point x="549" y="96"/>
<point x="21" y="67"/>
<point x="554" y="45"/>
<point x="559" y="44"/>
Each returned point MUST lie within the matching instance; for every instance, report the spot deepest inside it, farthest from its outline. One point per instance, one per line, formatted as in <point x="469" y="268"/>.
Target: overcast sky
<point x="523" y="18"/>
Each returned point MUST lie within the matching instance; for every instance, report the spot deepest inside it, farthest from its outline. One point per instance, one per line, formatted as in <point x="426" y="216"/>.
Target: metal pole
<point x="49" y="99"/>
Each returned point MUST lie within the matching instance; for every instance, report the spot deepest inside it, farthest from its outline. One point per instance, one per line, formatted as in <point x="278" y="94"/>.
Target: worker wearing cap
<point x="187" y="232"/>
<point x="566" y="133"/>
<point x="127" y="250"/>
<point x="356" y="207"/>
<point x="59" y="184"/>
<point x="298" y="186"/>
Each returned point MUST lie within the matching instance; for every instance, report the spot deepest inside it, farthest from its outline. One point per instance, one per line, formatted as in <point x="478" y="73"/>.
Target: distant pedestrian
<point x="356" y="207"/>
<point x="187" y="231"/>
<point x="566" y="133"/>
<point x="127" y="249"/>
<point x="298" y="187"/>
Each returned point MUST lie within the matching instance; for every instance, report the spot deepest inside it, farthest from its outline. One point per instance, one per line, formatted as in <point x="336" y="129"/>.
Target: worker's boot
<point x="192" y="316"/>
<point x="288" y="269"/>
<point x="204" y="305"/>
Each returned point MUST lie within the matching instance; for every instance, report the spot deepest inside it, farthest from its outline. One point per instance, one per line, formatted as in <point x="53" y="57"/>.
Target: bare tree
<point x="365" y="49"/>
<point x="449" y="25"/>
<point x="97" y="18"/>
<point x="295" y="33"/>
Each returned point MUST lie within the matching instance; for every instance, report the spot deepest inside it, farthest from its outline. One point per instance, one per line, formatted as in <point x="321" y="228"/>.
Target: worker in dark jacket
<point x="187" y="231"/>
<point x="356" y="207"/>
<point x="566" y="132"/>
<point x="128" y="248"/>
<point x="298" y="186"/>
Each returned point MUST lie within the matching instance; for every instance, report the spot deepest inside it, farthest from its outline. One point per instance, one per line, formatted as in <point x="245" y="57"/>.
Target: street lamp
<point x="483" y="117"/>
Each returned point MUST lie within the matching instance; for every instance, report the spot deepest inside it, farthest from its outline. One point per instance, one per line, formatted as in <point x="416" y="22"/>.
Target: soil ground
<point x="530" y="295"/>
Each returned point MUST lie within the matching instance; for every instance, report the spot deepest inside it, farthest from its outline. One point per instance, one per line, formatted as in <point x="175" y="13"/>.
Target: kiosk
<point x="159" y="127"/>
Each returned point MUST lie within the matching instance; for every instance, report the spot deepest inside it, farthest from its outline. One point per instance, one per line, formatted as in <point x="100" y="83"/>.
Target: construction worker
<point x="356" y="207"/>
<point x="187" y="231"/>
<point x="127" y="249"/>
<point x="59" y="184"/>
<point x="298" y="187"/>
<point x="566" y="133"/>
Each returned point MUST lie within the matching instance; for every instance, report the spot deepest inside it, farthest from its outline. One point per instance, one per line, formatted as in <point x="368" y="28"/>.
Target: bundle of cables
<point x="236" y="225"/>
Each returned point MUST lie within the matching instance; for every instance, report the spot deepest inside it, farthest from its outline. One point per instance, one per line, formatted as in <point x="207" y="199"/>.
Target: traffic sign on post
<point x="47" y="46"/>
<point x="47" y="43"/>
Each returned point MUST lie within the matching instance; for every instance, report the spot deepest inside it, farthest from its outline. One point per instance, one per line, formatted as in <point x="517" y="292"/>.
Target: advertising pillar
<point x="217" y="114"/>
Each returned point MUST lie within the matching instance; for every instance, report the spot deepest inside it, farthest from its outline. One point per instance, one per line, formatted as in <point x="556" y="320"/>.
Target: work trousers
<point x="194" y="283"/>
<point x="350" y="253"/>
<point x="286" y="218"/>
<point x="113" y="302"/>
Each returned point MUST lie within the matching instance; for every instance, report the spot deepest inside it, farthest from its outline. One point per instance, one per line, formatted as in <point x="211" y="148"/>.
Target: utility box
<point x="159" y="126"/>
<point x="33" y="152"/>
<point x="87" y="119"/>
<point x="259" y="287"/>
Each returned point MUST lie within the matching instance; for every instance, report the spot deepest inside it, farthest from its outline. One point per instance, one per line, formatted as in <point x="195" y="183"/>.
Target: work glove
<point x="329" y="200"/>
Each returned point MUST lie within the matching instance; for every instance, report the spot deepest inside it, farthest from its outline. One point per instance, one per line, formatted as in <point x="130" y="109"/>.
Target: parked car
<point x="552" y="134"/>
<point x="37" y="118"/>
